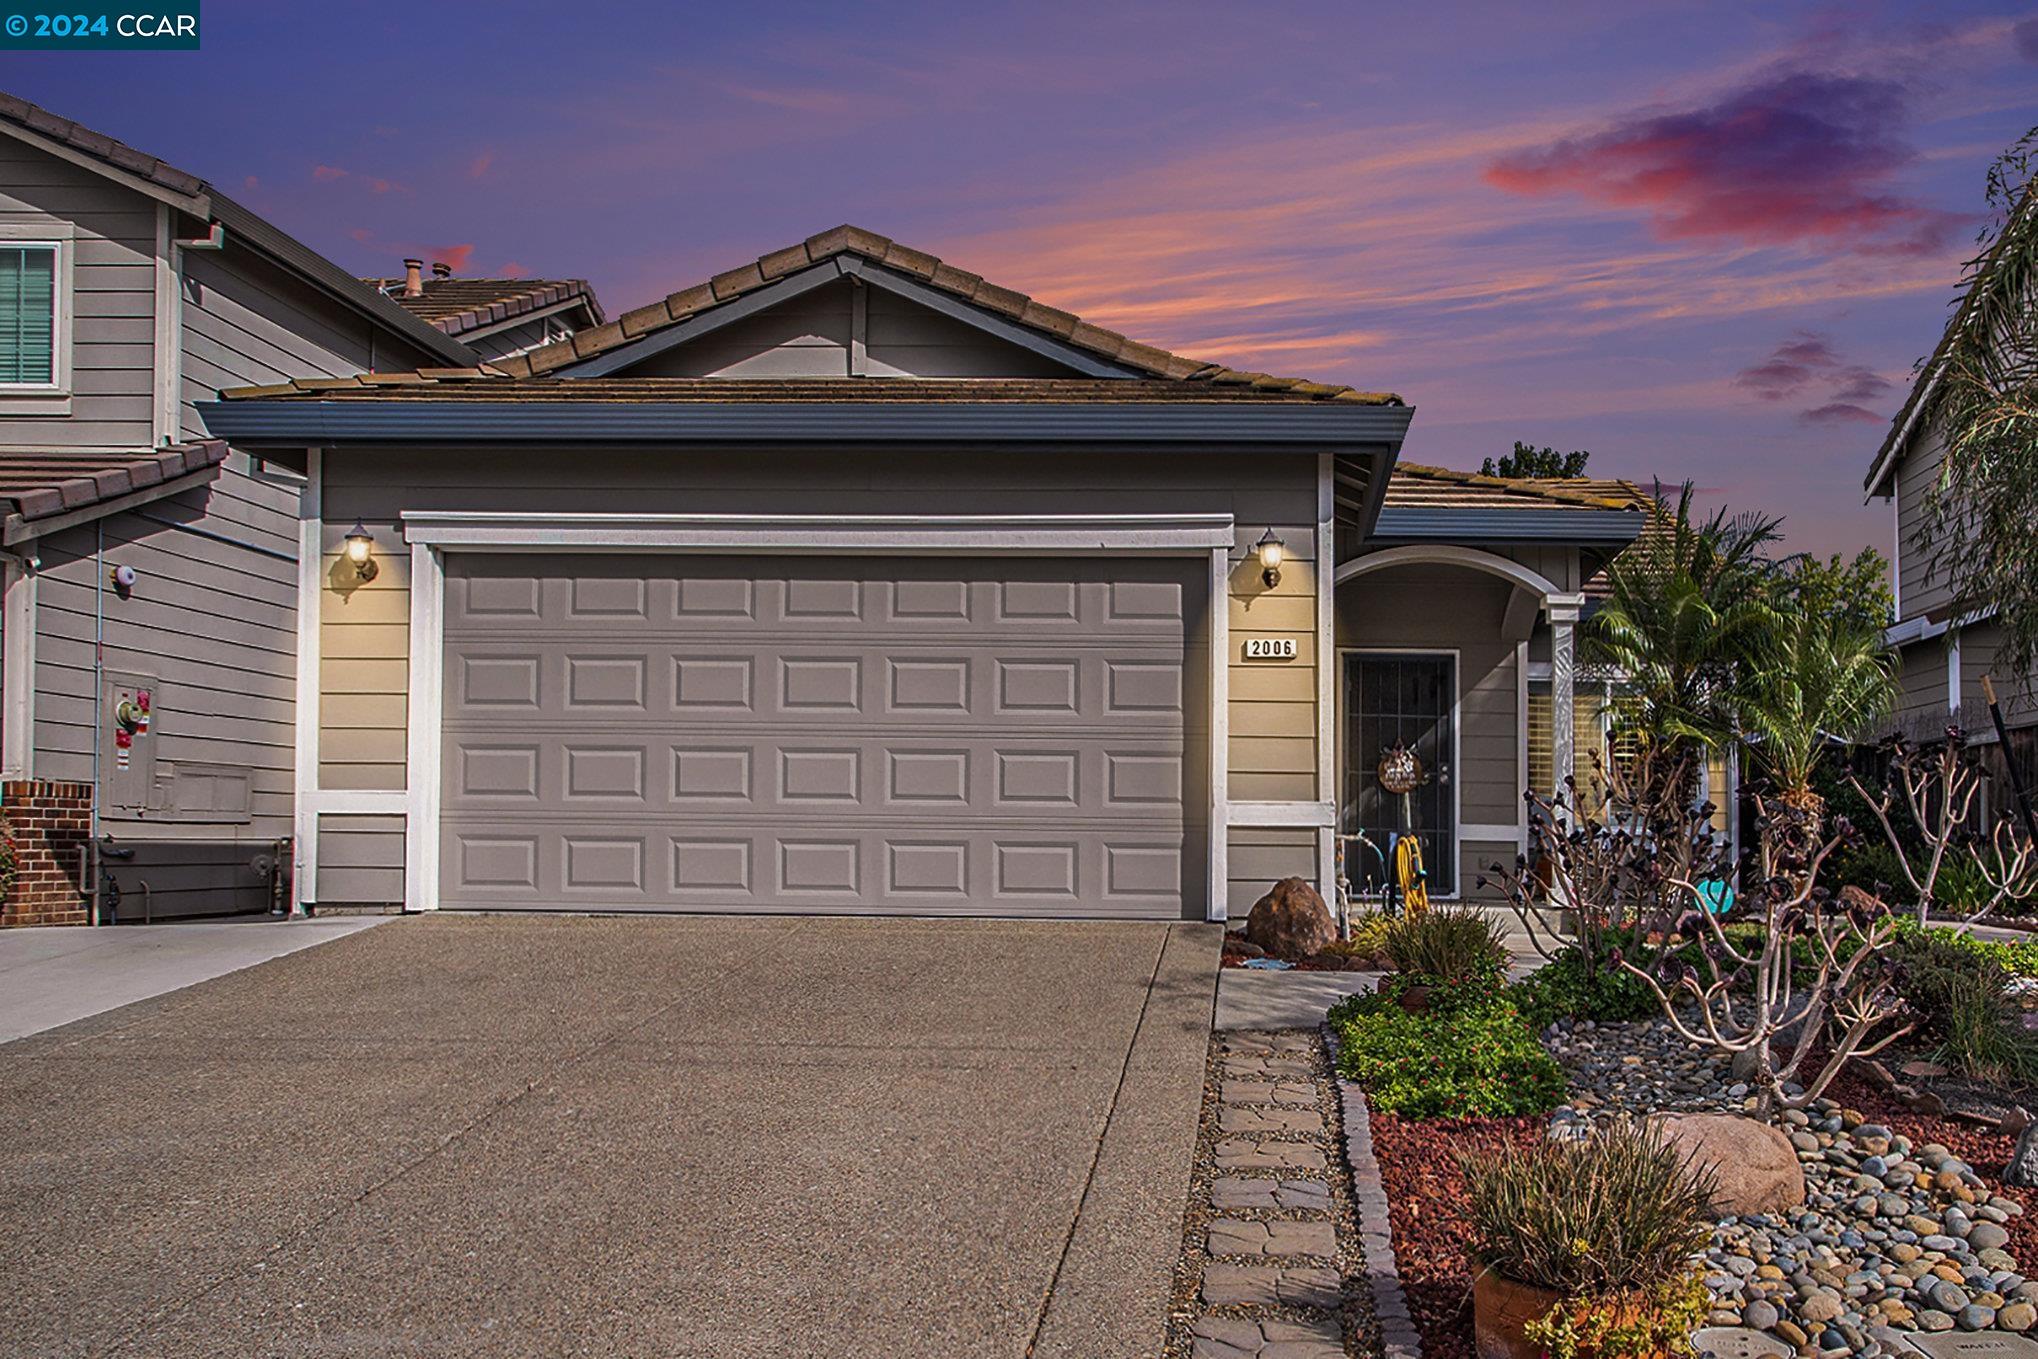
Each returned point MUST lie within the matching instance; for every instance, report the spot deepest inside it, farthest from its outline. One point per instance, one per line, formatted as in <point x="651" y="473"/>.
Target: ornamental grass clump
<point x="1620" y="1211"/>
<point x="1452" y="947"/>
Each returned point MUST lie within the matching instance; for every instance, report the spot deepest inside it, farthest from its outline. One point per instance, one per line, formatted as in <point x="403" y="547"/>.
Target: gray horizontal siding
<point x="112" y="302"/>
<point x="208" y="620"/>
<point x="1923" y="580"/>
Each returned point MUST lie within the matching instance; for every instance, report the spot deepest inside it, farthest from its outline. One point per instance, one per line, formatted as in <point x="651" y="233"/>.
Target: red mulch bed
<point x="1425" y="1202"/>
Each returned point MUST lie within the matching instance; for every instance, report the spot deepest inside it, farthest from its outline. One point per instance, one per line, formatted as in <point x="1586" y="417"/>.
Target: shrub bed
<point x="1468" y="1053"/>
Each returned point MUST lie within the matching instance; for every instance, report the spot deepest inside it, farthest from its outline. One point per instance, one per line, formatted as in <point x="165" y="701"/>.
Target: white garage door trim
<point x="432" y="533"/>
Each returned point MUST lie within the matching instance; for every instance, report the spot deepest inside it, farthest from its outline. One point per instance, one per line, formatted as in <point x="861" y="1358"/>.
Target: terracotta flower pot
<point x="1501" y="1307"/>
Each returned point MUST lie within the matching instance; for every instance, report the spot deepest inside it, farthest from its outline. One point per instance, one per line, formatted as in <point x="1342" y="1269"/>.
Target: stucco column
<point x="1563" y="676"/>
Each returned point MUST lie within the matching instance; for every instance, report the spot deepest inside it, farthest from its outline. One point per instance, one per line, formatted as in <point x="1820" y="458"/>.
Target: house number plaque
<point x="1270" y="648"/>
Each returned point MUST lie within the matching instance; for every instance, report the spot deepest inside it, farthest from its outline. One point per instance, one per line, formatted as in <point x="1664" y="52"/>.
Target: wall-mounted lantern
<point x="361" y="551"/>
<point x="1271" y="550"/>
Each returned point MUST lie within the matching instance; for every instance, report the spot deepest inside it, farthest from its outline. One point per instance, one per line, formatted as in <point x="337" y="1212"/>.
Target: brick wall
<point x="50" y="821"/>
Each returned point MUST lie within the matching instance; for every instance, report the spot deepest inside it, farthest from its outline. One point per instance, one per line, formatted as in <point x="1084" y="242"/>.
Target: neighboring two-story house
<point x="1946" y="645"/>
<point x="150" y="632"/>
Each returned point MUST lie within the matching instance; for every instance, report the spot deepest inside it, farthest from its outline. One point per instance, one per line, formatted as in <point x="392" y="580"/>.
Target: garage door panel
<point x="735" y="734"/>
<point x="735" y="866"/>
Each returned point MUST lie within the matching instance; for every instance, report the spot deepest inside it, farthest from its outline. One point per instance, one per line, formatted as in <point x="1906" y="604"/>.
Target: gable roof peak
<point x="921" y="267"/>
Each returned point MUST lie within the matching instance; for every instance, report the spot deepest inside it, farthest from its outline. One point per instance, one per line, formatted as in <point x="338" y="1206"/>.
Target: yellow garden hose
<point x="1409" y="876"/>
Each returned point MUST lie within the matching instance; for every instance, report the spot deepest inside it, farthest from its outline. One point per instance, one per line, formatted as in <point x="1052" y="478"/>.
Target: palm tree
<point x="1684" y="610"/>
<point x="1819" y="671"/>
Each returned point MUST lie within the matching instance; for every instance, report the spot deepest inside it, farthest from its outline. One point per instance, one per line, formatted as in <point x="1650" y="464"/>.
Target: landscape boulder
<point x="1756" y="1166"/>
<point x="2023" y="1168"/>
<point x="1291" y="921"/>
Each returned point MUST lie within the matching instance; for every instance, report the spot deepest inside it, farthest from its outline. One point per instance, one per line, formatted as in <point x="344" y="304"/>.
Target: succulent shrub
<point x="1572" y="985"/>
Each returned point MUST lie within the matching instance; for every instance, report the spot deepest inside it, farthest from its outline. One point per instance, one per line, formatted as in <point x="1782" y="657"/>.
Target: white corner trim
<point x="1521" y="744"/>
<point x="17" y="672"/>
<point x="1325" y="571"/>
<point x="1220" y="731"/>
<point x="1953" y="686"/>
<point x="1287" y="815"/>
<point x="426" y="708"/>
<point x="310" y="566"/>
<point x="168" y="365"/>
<point x="975" y="535"/>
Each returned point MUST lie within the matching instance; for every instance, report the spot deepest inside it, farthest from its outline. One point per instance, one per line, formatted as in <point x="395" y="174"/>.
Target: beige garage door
<point x="907" y="735"/>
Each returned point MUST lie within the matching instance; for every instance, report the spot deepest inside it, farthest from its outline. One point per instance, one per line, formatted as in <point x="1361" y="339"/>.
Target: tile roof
<point x="1417" y="486"/>
<point x="100" y="146"/>
<point x="486" y="384"/>
<point x="36" y="485"/>
<point x="458" y="305"/>
<point x="924" y="268"/>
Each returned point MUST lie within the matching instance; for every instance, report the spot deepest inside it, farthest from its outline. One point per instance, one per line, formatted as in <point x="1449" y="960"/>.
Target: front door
<point x="1408" y="700"/>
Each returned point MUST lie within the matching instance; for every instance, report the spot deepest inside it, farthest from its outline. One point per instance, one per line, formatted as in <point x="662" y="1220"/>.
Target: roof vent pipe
<point x="441" y="269"/>
<point x="413" y="278"/>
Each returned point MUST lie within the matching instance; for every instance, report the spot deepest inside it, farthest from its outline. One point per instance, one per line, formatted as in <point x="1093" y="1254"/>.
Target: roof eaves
<point x="150" y="476"/>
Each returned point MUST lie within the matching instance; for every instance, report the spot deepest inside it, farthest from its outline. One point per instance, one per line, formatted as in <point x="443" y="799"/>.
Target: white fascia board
<point x="483" y="530"/>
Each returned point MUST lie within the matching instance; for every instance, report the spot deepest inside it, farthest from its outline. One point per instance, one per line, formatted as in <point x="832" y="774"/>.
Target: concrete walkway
<point x="1251" y="999"/>
<point x="525" y="1136"/>
<point x="50" y="977"/>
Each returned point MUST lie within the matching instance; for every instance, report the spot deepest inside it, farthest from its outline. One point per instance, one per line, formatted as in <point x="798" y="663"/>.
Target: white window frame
<point x="53" y="397"/>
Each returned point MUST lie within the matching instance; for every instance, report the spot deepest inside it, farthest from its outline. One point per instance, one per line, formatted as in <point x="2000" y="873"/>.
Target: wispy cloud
<point x="1807" y="361"/>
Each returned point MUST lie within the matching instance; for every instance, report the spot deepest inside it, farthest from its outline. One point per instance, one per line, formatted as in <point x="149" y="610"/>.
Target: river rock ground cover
<point x="1906" y="1226"/>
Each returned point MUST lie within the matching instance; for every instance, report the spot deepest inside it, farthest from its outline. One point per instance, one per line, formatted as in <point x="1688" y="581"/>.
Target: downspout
<point x="98" y="701"/>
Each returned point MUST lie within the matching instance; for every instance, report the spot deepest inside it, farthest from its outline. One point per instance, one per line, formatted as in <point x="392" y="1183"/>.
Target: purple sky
<point x="1701" y="240"/>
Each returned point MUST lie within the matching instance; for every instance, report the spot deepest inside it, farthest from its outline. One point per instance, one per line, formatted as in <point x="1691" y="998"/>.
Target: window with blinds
<point x="1590" y="743"/>
<point x="28" y="315"/>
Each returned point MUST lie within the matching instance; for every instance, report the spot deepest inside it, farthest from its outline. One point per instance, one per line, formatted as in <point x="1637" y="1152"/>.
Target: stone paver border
<point x="1398" y="1337"/>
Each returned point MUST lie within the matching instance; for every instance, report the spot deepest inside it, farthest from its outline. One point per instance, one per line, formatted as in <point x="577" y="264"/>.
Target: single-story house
<point x="850" y="581"/>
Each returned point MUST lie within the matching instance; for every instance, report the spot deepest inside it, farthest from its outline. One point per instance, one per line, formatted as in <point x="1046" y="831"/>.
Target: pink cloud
<point x="454" y="255"/>
<point x="1791" y="158"/>
<point x="514" y="270"/>
<point x="479" y="165"/>
<point x="333" y="174"/>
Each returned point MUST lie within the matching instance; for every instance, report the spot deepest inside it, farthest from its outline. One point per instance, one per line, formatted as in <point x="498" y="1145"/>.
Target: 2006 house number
<point x="1270" y="648"/>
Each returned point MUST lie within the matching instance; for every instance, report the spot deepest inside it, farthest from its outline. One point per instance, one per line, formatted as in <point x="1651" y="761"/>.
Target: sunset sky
<point x="1704" y="241"/>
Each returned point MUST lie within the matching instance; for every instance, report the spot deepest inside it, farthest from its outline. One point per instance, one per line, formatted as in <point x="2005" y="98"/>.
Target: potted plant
<point x="1585" y="1250"/>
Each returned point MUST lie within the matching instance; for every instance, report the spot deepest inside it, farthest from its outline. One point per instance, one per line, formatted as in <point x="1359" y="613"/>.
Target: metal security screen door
<point x="1407" y="700"/>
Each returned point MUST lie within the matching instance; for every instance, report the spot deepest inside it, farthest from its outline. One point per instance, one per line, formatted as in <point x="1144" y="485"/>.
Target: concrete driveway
<point x="567" y="1136"/>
